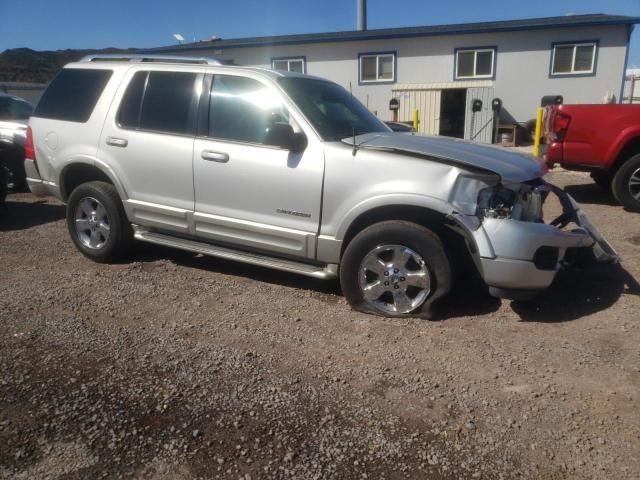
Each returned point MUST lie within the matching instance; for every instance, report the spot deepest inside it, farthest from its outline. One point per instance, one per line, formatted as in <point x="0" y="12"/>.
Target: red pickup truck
<point x="601" y="139"/>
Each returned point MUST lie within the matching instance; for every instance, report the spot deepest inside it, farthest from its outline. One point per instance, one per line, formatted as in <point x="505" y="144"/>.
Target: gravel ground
<point x="173" y="365"/>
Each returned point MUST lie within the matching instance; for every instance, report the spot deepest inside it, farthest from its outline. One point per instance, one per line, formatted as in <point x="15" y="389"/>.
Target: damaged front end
<point x="518" y="254"/>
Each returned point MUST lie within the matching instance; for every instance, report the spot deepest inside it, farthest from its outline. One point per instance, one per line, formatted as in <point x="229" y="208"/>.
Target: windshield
<point x="333" y="112"/>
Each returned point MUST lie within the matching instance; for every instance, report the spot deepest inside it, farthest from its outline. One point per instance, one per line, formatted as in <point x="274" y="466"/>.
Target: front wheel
<point x="395" y="269"/>
<point x="626" y="184"/>
<point x="97" y="222"/>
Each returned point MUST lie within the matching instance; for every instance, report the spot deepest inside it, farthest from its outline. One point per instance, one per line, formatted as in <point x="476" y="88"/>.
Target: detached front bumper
<point x="517" y="259"/>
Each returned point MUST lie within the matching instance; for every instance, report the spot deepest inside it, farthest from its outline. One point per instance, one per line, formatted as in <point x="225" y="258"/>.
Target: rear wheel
<point x="395" y="269"/>
<point x="97" y="222"/>
<point x="626" y="184"/>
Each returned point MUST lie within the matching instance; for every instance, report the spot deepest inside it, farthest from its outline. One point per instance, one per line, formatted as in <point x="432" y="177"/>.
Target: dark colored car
<point x="14" y="115"/>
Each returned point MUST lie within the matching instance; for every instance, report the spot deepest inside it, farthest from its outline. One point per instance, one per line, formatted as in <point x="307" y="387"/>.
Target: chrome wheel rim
<point x="634" y="184"/>
<point x="92" y="223"/>
<point x="394" y="279"/>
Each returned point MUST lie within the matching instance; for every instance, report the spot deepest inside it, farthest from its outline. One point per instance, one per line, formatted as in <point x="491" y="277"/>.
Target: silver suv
<point x="291" y="172"/>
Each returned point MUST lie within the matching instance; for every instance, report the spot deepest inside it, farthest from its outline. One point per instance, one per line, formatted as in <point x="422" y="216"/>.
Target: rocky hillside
<point x="26" y="65"/>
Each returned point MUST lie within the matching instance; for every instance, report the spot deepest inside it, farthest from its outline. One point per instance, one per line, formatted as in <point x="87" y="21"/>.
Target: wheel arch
<point x="80" y="171"/>
<point x="420" y="215"/>
<point x="630" y="148"/>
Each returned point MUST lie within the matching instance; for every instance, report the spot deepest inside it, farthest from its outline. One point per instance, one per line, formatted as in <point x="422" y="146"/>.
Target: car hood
<point x="510" y="166"/>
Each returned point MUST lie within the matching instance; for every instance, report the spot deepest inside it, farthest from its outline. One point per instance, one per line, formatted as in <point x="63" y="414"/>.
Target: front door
<point x="247" y="192"/>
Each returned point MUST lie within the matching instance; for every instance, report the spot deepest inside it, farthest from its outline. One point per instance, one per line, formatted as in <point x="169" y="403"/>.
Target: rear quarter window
<point x="73" y="94"/>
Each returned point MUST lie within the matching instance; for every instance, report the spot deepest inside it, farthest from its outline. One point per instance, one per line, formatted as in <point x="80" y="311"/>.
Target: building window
<point x="289" y="64"/>
<point x="377" y="67"/>
<point x="475" y="63"/>
<point x="573" y="58"/>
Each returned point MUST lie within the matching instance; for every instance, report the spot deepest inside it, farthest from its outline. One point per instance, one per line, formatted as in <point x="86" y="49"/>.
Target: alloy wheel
<point x="92" y="223"/>
<point x="634" y="184"/>
<point x="394" y="279"/>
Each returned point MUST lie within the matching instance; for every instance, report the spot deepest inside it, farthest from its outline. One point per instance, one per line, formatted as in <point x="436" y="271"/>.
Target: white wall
<point x="522" y="64"/>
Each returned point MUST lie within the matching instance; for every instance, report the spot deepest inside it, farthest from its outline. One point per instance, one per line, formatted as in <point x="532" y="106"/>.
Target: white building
<point x="439" y="70"/>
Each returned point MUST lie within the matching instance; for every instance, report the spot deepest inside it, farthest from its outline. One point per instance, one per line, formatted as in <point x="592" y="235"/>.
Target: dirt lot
<point x="170" y="365"/>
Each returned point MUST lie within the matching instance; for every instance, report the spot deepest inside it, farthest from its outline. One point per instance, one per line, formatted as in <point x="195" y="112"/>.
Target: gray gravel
<point x="170" y="365"/>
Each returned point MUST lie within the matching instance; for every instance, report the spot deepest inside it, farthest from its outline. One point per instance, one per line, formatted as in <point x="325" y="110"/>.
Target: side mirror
<point x="281" y="134"/>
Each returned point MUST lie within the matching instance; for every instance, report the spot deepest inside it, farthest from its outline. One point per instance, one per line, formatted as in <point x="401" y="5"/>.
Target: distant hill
<point x="26" y="65"/>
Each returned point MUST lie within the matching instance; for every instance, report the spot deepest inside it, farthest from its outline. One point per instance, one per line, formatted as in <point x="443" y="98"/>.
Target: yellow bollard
<point x="415" y="120"/>
<point x="536" y="140"/>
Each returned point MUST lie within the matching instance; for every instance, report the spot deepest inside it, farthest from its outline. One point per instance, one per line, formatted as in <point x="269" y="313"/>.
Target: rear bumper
<point x="39" y="187"/>
<point x="552" y="153"/>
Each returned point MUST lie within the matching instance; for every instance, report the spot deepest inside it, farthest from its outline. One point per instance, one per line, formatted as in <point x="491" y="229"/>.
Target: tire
<point x="4" y="185"/>
<point x="395" y="252"/>
<point x="603" y="180"/>
<point x="626" y="184"/>
<point x="17" y="175"/>
<point x="97" y="222"/>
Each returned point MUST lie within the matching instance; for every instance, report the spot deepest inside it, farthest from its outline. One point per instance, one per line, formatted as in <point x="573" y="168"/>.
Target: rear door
<point x="248" y="193"/>
<point x="148" y="141"/>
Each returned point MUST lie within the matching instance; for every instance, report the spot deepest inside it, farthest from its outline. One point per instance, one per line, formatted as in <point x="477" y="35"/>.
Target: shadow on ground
<point x="18" y="215"/>
<point x="577" y="293"/>
<point x="146" y="252"/>
<point x="469" y="297"/>
<point x="574" y="293"/>
<point x="590" y="193"/>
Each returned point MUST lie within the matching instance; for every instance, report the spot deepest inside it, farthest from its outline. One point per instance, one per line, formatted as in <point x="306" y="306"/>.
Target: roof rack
<point x="153" y="58"/>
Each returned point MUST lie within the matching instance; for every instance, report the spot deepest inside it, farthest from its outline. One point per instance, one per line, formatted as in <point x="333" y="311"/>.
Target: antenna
<point x="178" y="37"/>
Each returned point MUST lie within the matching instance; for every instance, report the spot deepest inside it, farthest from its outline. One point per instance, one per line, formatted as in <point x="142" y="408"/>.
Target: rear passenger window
<point x="160" y="101"/>
<point x="72" y="94"/>
<point x="242" y="109"/>
<point x="129" y="114"/>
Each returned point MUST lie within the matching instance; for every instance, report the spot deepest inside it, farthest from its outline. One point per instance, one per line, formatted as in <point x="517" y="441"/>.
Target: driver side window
<point x="242" y="109"/>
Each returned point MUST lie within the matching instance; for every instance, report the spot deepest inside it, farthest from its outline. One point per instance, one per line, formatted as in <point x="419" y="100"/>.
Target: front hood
<point x="510" y="166"/>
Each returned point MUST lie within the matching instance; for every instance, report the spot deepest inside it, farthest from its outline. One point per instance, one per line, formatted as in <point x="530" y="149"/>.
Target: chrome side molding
<point x="327" y="272"/>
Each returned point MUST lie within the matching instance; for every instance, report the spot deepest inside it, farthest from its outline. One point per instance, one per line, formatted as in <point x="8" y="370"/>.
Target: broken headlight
<point x="496" y="202"/>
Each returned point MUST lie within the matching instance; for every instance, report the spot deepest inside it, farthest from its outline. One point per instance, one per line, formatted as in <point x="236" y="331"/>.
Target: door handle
<point x="215" y="156"/>
<point x="117" y="142"/>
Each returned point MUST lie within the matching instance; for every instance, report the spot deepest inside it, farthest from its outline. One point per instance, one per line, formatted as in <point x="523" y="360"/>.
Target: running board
<point x="328" y="272"/>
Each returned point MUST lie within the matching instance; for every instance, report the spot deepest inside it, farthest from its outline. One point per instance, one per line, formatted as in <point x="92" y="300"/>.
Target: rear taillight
<point x="561" y="122"/>
<point x="29" y="151"/>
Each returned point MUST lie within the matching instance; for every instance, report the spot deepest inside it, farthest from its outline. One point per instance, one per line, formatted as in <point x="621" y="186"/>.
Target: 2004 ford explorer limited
<point x="291" y="172"/>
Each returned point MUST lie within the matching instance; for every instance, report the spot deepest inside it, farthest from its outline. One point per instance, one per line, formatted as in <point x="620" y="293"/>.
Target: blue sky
<point x="59" y="24"/>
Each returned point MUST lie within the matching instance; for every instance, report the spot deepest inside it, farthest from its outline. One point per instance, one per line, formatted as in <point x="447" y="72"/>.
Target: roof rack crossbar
<point x="151" y="58"/>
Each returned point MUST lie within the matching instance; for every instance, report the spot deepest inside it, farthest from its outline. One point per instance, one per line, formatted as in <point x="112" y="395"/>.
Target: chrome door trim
<point x="160" y="216"/>
<point x="254" y="235"/>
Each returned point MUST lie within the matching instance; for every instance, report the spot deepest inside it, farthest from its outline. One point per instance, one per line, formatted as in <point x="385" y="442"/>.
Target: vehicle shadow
<point x="577" y="293"/>
<point x="19" y="215"/>
<point x="469" y="296"/>
<point x="574" y="294"/>
<point x="147" y="252"/>
<point x="590" y="193"/>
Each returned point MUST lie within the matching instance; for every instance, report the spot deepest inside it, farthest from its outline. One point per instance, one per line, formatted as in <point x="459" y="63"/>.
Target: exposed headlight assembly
<point x="496" y="202"/>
